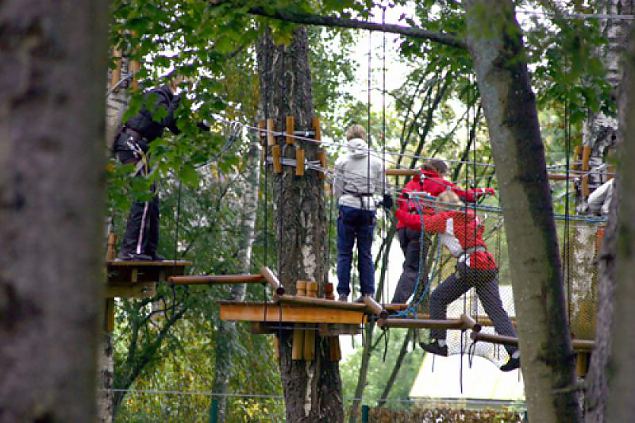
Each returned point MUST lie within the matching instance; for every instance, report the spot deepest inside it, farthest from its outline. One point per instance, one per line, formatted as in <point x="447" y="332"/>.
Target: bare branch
<point x="333" y="21"/>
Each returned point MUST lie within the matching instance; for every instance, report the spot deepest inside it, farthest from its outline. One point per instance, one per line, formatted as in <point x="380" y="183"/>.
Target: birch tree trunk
<point x="495" y="43"/>
<point x="52" y="64"/>
<point x="116" y="104"/>
<point x="312" y="389"/>
<point x="227" y="335"/>
<point x="621" y="384"/>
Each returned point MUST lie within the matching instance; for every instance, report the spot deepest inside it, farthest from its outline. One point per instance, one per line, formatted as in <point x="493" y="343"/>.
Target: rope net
<point x="459" y="289"/>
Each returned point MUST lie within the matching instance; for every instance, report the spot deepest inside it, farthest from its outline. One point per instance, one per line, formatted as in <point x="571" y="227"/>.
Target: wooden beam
<point x="321" y="302"/>
<point x="272" y="312"/>
<point x="374" y="307"/>
<point x="121" y="272"/>
<point x="421" y="323"/>
<point x="216" y="279"/>
<point x="272" y="280"/>
<point x="109" y="317"/>
<point x="578" y="344"/>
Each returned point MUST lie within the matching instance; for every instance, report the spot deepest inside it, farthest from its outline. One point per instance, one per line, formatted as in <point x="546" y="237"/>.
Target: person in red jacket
<point x="461" y="232"/>
<point x="430" y="181"/>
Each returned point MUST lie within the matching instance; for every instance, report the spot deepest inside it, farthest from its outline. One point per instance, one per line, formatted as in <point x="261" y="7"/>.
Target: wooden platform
<point x="138" y="278"/>
<point x="288" y="313"/>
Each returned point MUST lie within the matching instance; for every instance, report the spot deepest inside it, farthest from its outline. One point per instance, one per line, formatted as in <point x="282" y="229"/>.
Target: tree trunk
<point x="227" y="336"/>
<point x="621" y="385"/>
<point x="495" y="43"/>
<point x="52" y="63"/>
<point x="597" y="382"/>
<point x="312" y="389"/>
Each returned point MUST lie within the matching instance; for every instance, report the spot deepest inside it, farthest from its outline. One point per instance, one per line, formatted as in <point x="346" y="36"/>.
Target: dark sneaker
<point x="512" y="364"/>
<point x="157" y="257"/>
<point x="343" y="298"/>
<point x="360" y="299"/>
<point x="434" y="348"/>
<point x="134" y="257"/>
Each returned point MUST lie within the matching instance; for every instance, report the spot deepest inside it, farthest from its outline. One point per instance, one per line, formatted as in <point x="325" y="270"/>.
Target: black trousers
<point x="142" y="228"/>
<point x="410" y="242"/>
<point x="486" y="284"/>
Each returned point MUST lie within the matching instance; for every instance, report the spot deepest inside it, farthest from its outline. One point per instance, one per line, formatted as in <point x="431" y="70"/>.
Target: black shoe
<point x="434" y="348"/>
<point x="134" y="257"/>
<point x="360" y="299"/>
<point x="157" y="257"/>
<point x="343" y="298"/>
<point x="512" y="364"/>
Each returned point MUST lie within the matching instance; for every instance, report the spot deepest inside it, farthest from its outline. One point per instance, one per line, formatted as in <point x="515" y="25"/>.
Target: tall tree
<point x="494" y="40"/>
<point x="52" y="64"/>
<point x="312" y="389"/>
<point x="227" y="335"/>
<point x="598" y="382"/>
<point x="620" y="405"/>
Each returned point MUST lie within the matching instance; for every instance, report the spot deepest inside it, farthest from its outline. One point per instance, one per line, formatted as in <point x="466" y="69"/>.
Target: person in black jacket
<point x="131" y="146"/>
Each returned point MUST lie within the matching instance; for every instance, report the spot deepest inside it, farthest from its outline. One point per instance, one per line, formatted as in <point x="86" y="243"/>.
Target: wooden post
<point x="262" y="134"/>
<point x="277" y="161"/>
<point x="115" y="75"/>
<point x="111" y="250"/>
<point x="315" y="124"/>
<point x="134" y="67"/>
<point x="582" y="363"/>
<point x="586" y="155"/>
<point x="321" y="154"/>
<point x="297" y="350"/>
<point x="271" y="140"/>
<point x="289" y="139"/>
<point x="309" y="335"/>
<point x="299" y="162"/>
<point x="335" y="353"/>
<point x="109" y="321"/>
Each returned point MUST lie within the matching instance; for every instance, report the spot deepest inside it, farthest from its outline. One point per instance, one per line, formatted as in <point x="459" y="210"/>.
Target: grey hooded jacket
<point x="359" y="177"/>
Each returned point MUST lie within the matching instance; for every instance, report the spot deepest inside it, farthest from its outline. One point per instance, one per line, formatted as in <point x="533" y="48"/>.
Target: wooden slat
<point x="315" y="124"/>
<point x="402" y="172"/>
<point x="277" y="160"/>
<point x="271" y="140"/>
<point x="299" y="160"/>
<point x="216" y="279"/>
<point x="289" y="138"/>
<point x="586" y="156"/>
<point x="262" y="134"/>
<point x="257" y="312"/>
<point x="115" y="75"/>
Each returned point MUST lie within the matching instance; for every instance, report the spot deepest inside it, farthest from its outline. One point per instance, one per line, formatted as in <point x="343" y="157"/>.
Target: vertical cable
<point x="383" y="161"/>
<point x="566" y="243"/>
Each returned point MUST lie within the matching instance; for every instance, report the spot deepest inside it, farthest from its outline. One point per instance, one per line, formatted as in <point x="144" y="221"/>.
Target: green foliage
<point x="379" y="369"/>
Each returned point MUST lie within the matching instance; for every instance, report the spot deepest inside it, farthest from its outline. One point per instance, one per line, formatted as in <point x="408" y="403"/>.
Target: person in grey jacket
<point x="359" y="180"/>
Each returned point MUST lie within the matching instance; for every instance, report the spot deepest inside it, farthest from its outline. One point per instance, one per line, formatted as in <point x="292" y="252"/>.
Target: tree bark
<point x="495" y="43"/>
<point x="621" y="367"/>
<point x="597" y="381"/>
<point x="227" y="336"/>
<point x="52" y="64"/>
<point x="312" y="389"/>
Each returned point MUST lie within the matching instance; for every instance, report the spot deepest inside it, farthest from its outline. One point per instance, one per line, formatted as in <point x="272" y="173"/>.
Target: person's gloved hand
<point x="387" y="202"/>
